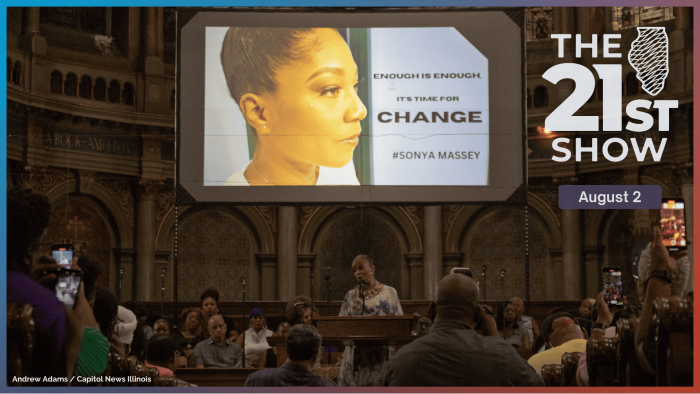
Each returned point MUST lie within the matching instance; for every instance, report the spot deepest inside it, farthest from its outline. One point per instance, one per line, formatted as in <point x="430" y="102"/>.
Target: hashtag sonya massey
<point x="457" y="155"/>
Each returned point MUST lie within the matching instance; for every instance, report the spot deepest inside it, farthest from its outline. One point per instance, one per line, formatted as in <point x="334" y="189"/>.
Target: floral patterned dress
<point x="366" y="365"/>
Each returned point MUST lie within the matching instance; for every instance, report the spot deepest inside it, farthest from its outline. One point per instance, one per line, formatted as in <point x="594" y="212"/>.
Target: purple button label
<point x="609" y="197"/>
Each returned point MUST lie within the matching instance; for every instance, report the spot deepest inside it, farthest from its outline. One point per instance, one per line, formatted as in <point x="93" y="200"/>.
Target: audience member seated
<point x="303" y="352"/>
<point x="210" y="307"/>
<point x="255" y="339"/>
<point x="513" y="333"/>
<point x="94" y="351"/>
<point x="162" y="354"/>
<point x="531" y="325"/>
<point x="600" y="329"/>
<point x="193" y="321"/>
<point x="141" y="313"/>
<point x="452" y="354"/>
<point x="295" y="309"/>
<point x="586" y="308"/>
<point x="562" y="334"/>
<point x="131" y="334"/>
<point x="308" y="315"/>
<point x="161" y="326"/>
<point x="105" y="310"/>
<point x="421" y="325"/>
<point x="59" y="331"/>
<point x="217" y="351"/>
<point x="660" y="275"/>
<point x="271" y="354"/>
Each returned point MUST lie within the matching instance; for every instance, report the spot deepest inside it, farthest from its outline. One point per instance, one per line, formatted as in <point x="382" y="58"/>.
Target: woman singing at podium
<point x="365" y="365"/>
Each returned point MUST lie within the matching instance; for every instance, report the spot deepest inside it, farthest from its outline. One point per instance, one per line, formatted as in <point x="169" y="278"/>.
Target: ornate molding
<point x="40" y="179"/>
<point x="150" y="188"/>
<point x="547" y="190"/>
<point x="415" y="213"/>
<point x="269" y="215"/>
<point x="450" y="213"/>
<point x="120" y="188"/>
<point x="165" y="201"/>
<point x="672" y="175"/>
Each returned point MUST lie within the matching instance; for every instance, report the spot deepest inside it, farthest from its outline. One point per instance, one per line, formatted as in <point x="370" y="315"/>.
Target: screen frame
<point x="507" y="156"/>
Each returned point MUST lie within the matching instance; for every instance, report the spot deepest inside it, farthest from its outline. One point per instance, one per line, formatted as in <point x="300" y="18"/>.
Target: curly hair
<point x="210" y="293"/>
<point x="28" y="215"/>
<point x="291" y="311"/>
<point x="202" y="330"/>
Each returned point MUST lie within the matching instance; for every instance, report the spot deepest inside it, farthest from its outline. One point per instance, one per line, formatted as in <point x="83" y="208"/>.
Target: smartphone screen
<point x="673" y="224"/>
<point x="63" y="254"/>
<point x="612" y="286"/>
<point x="67" y="286"/>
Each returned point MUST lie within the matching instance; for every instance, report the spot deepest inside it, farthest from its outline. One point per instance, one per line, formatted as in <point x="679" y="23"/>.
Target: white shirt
<point x="326" y="176"/>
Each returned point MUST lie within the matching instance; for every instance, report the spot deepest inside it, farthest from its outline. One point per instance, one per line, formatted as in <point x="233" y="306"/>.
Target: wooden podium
<point x="355" y="331"/>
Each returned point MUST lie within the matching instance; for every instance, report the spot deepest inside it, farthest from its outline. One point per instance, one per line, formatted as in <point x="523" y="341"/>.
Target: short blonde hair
<point x="360" y="259"/>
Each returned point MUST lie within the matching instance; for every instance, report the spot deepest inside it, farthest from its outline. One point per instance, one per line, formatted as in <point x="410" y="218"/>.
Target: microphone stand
<point x="483" y="276"/>
<point x="121" y="276"/>
<point x="362" y="294"/>
<point x="162" y="292"/>
<point x="327" y="277"/>
<point x="243" y="283"/>
<point x="503" y="298"/>
<point x="243" y="333"/>
<point x="311" y="279"/>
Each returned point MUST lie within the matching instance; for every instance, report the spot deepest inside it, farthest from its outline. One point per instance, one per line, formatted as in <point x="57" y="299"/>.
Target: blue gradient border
<point x="314" y="3"/>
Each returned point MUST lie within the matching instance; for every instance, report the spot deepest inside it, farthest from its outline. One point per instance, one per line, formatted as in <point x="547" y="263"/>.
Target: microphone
<point x="362" y="288"/>
<point x="162" y="273"/>
<point x="327" y="276"/>
<point x="243" y="281"/>
<point x="483" y="270"/>
<point x="503" y="272"/>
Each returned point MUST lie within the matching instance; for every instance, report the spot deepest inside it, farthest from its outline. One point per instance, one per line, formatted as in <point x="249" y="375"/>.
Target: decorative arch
<point x="597" y="223"/>
<point x="495" y="236"/>
<point x="122" y="223"/>
<point x="308" y="233"/>
<point x="217" y="247"/>
<point x="347" y="232"/>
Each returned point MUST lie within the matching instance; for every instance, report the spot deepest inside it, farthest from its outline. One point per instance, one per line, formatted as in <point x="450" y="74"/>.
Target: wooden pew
<point x="570" y="363"/>
<point x="629" y="370"/>
<point x="553" y="375"/>
<point x="20" y="341"/>
<point x="215" y="377"/>
<point x="673" y="321"/>
<point x="601" y="359"/>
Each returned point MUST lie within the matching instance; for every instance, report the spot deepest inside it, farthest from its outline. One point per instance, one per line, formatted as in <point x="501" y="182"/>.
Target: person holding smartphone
<point x="31" y="279"/>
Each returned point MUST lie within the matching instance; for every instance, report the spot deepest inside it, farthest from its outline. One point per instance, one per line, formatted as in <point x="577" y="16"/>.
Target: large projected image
<point x="287" y="106"/>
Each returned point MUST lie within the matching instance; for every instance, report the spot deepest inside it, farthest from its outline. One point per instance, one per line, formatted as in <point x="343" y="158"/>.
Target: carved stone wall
<point x="216" y="250"/>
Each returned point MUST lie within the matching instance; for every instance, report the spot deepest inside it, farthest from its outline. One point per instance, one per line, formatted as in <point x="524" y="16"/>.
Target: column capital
<point x="149" y="188"/>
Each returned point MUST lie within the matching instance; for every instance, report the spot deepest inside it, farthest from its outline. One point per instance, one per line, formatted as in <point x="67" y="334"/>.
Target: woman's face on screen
<point x="314" y="116"/>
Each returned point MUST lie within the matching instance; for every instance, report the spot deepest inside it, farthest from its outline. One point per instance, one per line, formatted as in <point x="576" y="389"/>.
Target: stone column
<point x="30" y="20"/>
<point x="157" y="96"/>
<point x="415" y="265"/>
<point x="287" y="253"/>
<point x="572" y="253"/>
<point x="432" y="250"/>
<point x="144" y="273"/>
<point x="305" y="265"/>
<point x="268" y="276"/>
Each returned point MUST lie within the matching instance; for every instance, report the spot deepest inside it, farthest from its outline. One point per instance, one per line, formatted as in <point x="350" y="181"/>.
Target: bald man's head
<point x="457" y="293"/>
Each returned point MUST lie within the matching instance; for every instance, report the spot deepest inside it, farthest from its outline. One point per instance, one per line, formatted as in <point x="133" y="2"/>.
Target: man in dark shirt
<point x="303" y="351"/>
<point x="452" y="354"/>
